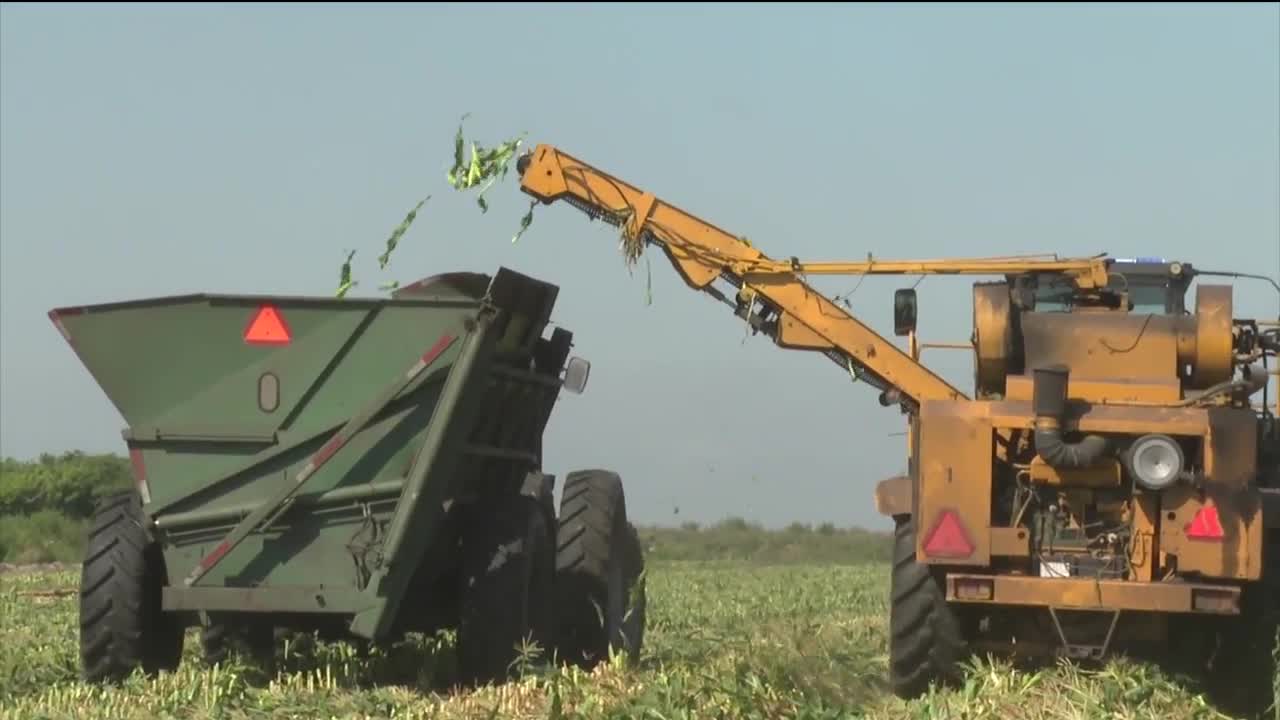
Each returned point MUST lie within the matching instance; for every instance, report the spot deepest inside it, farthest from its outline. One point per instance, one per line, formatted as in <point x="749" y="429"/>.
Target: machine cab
<point x="1144" y="286"/>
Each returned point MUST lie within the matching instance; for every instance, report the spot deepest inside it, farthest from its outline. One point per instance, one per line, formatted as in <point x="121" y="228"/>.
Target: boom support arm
<point x="803" y="317"/>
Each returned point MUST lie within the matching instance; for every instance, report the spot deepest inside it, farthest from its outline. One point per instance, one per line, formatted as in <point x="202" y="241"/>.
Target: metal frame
<point x="1090" y="594"/>
<point x="279" y="503"/>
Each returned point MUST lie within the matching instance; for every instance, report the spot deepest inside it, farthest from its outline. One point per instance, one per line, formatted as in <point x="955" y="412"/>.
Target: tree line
<point x="45" y="505"/>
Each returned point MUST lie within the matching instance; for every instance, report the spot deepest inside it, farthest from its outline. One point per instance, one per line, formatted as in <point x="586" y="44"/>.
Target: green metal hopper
<point x="351" y="466"/>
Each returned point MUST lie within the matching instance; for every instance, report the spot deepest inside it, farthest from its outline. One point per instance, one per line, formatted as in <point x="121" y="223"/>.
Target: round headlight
<point x="1155" y="461"/>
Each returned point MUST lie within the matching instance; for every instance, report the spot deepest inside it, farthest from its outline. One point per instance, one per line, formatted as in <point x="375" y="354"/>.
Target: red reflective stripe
<point x="328" y="450"/>
<point x="139" y="468"/>
<point x="140" y="474"/>
<point x="215" y="556"/>
<point x="430" y="356"/>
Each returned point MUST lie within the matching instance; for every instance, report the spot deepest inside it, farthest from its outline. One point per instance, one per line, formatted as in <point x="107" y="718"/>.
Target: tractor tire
<point x="599" y="572"/>
<point x="506" y="587"/>
<point x="926" y="635"/>
<point x="1243" y="674"/>
<point x="122" y="625"/>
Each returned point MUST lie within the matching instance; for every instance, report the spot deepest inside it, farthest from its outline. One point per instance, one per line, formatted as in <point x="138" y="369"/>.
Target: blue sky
<point x="155" y="150"/>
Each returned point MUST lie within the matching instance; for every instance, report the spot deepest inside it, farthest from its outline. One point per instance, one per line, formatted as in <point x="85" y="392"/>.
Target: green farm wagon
<point x="358" y="468"/>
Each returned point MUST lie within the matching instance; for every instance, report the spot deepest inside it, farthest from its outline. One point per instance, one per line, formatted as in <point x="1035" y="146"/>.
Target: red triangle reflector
<point x="1206" y="525"/>
<point x="948" y="538"/>
<point x="267" y="328"/>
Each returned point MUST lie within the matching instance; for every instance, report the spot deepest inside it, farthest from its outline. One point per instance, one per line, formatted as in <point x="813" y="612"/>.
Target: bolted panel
<point x="954" y="479"/>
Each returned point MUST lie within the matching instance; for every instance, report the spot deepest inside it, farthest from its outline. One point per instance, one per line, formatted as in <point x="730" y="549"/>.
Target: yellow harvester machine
<point x="1112" y="482"/>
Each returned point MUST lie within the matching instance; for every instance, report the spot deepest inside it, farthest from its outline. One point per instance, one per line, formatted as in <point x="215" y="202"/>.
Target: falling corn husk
<point x="487" y="166"/>
<point x="345" y="283"/>
<point x="389" y="285"/>
<point x="458" y="145"/>
<point x="525" y="221"/>
<point x="399" y="232"/>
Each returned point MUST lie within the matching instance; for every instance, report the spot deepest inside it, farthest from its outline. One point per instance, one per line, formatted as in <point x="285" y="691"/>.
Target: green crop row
<point x="724" y="640"/>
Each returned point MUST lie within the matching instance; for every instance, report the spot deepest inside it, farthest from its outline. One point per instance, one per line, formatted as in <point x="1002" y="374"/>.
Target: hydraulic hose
<point x="1049" y="400"/>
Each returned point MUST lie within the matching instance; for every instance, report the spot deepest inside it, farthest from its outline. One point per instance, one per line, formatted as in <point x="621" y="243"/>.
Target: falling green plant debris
<point x="458" y="145"/>
<point x="345" y="283"/>
<point x="399" y="232"/>
<point x="525" y="221"/>
<point x="487" y="166"/>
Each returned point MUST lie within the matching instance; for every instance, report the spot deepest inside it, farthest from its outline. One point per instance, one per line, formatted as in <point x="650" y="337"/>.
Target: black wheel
<point x="599" y="572"/>
<point x="506" y="592"/>
<point x="122" y="625"/>
<point x="926" y="635"/>
<point x="1242" y="675"/>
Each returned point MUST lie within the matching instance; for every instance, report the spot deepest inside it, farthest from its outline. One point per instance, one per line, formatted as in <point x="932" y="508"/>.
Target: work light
<point x="1155" y="461"/>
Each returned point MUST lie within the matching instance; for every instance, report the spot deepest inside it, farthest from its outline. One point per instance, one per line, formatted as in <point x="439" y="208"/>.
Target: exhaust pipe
<point x="1049" y="401"/>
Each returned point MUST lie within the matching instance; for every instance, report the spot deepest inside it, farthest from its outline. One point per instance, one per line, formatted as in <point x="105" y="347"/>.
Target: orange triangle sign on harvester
<point x="948" y="538"/>
<point x="1206" y="525"/>
<point x="267" y="328"/>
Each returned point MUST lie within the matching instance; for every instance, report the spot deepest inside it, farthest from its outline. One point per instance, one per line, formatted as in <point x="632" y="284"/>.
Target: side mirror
<point x="575" y="375"/>
<point x="904" y="311"/>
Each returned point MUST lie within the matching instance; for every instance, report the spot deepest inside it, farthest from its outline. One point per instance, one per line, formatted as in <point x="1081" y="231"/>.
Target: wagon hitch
<point x="1085" y="651"/>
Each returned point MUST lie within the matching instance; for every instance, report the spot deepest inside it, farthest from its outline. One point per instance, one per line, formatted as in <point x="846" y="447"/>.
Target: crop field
<point x="725" y="640"/>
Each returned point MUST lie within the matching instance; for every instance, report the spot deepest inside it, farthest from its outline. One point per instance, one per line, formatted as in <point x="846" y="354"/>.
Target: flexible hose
<point x="1059" y="453"/>
<point x="1049" y="399"/>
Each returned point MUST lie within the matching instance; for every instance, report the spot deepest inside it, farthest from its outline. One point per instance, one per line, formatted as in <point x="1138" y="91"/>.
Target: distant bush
<point x="45" y="505"/>
<point x="46" y="536"/>
<point x="71" y="483"/>
<point x="736" y="539"/>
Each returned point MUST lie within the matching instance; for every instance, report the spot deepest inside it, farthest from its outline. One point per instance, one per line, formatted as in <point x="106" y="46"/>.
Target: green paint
<point x="187" y="383"/>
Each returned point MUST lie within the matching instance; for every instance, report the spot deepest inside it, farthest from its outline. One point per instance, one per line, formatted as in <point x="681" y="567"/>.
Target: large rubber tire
<point x="506" y="587"/>
<point x="122" y="624"/>
<point x="599" y="572"/>
<point x="926" y="636"/>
